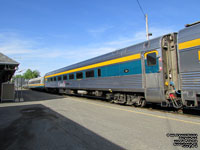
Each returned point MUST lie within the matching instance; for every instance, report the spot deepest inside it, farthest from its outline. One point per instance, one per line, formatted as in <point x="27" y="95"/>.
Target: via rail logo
<point x="184" y="140"/>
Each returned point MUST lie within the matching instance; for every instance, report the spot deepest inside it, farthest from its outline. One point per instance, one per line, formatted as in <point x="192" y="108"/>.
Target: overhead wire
<point x="141" y="8"/>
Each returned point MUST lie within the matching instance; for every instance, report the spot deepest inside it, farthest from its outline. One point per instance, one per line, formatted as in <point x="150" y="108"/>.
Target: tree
<point x="29" y="74"/>
<point x="36" y="73"/>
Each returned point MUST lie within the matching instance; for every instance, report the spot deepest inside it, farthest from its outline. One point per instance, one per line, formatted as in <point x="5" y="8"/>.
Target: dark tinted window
<point x="79" y="75"/>
<point x="89" y="74"/>
<point x="54" y="78"/>
<point x="99" y="72"/>
<point x="71" y="76"/>
<point x="59" y="78"/>
<point x="151" y="59"/>
<point x="65" y="77"/>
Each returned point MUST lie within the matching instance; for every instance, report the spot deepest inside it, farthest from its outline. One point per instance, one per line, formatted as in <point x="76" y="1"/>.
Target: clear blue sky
<point x="50" y="34"/>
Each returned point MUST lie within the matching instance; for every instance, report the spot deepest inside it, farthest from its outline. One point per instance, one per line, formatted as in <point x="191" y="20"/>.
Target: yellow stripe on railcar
<point x="109" y="62"/>
<point x="188" y="44"/>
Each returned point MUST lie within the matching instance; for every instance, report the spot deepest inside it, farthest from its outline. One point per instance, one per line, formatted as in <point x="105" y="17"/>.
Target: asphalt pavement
<point x="48" y="121"/>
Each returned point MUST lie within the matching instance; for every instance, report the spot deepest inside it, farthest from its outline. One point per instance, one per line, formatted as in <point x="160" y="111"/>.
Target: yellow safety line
<point x="36" y="84"/>
<point x="142" y="113"/>
<point x="109" y="62"/>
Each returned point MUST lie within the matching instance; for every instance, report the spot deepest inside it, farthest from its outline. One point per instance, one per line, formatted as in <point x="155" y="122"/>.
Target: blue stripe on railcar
<point x="127" y="68"/>
<point x="121" y="69"/>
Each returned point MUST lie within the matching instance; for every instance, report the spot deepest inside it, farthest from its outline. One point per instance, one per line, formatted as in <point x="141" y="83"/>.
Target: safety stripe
<point x="188" y="44"/>
<point x="109" y="62"/>
<point x="36" y="84"/>
<point x="199" y="54"/>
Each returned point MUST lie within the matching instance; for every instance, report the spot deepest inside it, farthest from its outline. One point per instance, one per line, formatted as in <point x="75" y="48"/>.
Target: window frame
<point x="71" y="74"/>
<point x="64" y="77"/>
<point x="88" y="75"/>
<point x="99" y="72"/>
<point x="79" y="75"/>
<point x="59" y="78"/>
<point x="150" y="57"/>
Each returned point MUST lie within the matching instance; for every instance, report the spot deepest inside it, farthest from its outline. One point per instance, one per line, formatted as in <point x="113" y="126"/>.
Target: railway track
<point x="190" y="112"/>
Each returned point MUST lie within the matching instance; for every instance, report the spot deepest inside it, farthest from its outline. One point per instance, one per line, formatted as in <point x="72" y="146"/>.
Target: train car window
<point x="59" y="78"/>
<point x="54" y="78"/>
<point x="65" y="77"/>
<point x="79" y="75"/>
<point x="99" y="72"/>
<point x="71" y="76"/>
<point x="90" y="74"/>
<point x="51" y="79"/>
<point x="151" y="59"/>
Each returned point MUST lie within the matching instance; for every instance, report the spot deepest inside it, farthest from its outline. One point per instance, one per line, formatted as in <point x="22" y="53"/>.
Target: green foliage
<point x="19" y="76"/>
<point x="29" y="74"/>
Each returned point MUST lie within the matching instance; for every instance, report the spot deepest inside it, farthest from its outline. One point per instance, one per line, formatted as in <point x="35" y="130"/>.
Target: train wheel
<point x="143" y="103"/>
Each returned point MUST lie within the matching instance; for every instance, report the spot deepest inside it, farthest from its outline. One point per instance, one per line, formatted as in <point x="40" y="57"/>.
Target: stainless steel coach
<point x="146" y="72"/>
<point x="163" y="70"/>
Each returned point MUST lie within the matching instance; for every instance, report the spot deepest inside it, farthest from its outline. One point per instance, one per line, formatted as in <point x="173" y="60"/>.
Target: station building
<point x="8" y="67"/>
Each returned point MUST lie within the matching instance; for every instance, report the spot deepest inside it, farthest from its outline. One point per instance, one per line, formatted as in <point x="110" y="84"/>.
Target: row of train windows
<point x="34" y="82"/>
<point x="79" y="75"/>
<point x="151" y="61"/>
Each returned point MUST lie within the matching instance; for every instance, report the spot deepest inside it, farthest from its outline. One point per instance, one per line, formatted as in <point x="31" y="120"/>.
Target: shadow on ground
<point x="155" y="107"/>
<point x="33" y="95"/>
<point x="32" y="127"/>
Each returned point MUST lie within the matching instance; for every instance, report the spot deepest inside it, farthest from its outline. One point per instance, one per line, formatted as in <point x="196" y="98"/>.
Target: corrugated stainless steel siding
<point x="189" y="33"/>
<point x="189" y="59"/>
<point x="131" y="82"/>
<point x="190" y="80"/>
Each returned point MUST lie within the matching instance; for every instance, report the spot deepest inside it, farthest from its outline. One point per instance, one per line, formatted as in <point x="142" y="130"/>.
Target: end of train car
<point x="189" y="64"/>
<point x="36" y="83"/>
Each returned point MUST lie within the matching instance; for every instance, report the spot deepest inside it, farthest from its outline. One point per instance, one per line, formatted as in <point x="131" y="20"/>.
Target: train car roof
<point x="7" y="61"/>
<point x="133" y="49"/>
<point x="189" y="33"/>
<point x="35" y="79"/>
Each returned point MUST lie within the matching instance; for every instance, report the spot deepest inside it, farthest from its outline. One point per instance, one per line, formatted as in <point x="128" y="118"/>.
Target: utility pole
<point x="146" y="20"/>
<point x="147" y="27"/>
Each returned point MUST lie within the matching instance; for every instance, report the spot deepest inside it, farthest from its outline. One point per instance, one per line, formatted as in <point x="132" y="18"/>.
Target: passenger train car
<point x="189" y="64"/>
<point x="164" y="70"/>
<point x="36" y="83"/>
<point x="131" y="75"/>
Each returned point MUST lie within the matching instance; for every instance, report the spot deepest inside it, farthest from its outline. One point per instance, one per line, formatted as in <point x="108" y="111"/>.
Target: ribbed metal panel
<point x="190" y="80"/>
<point x="130" y="82"/>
